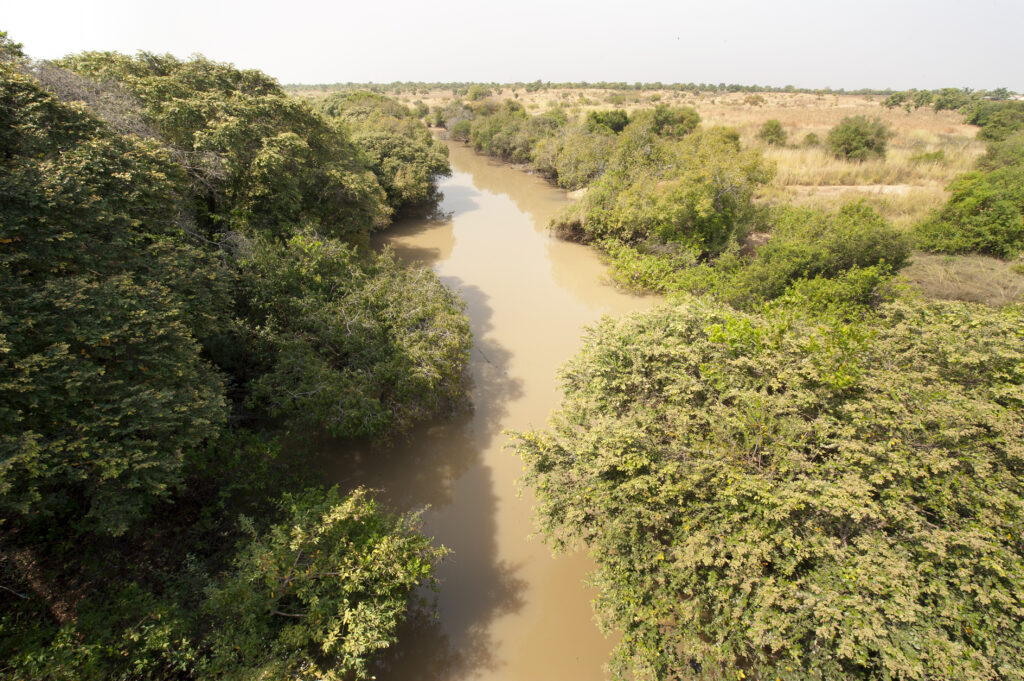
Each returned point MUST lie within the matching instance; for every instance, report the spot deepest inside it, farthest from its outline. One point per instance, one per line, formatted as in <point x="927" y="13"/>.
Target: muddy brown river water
<point x="507" y="609"/>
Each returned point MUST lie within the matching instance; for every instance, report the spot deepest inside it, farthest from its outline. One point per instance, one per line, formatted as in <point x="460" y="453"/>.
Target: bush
<point x="809" y="243"/>
<point x="937" y="156"/>
<point x="461" y="130"/>
<point x="811" y="140"/>
<point x="319" y="594"/>
<point x="614" y="120"/>
<point x="695" y="192"/>
<point x="858" y="138"/>
<point x="674" y="121"/>
<point x="773" y="501"/>
<point x="1003" y="153"/>
<point x="983" y="215"/>
<point x="574" y="155"/>
<point x="772" y="133"/>
<point x="356" y="345"/>
<point x="998" y="120"/>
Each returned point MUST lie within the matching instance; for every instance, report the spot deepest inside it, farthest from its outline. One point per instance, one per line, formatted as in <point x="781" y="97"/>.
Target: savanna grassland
<point x="799" y="467"/>
<point x="903" y="186"/>
<point x="928" y="150"/>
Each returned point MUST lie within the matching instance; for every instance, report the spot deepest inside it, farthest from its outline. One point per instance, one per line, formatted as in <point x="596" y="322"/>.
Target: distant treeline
<point x="461" y="88"/>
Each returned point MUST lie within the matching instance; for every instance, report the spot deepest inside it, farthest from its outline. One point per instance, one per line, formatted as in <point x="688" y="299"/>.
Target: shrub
<point x="356" y="345"/>
<point x="614" y="120"/>
<point x="319" y="594"/>
<point x="983" y="215"/>
<point x="477" y="92"/>
<point x="1005" y="152"/>
<point x="671" y="121"/>
<point x="808" y="243"/>
<point x="461" y="130"/>
<point x="937" y="156"/>
<point x="811" y="140"/>
<point x="772" y="133"/>
<point x="998" y="120"/>
<point x="574" y="155"/>
<point x="695" y="192"/>
<point x="773" y="501"/>
<point x="858" y="138"/>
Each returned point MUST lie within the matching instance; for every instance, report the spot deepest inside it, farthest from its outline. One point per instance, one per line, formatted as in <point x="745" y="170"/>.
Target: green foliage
<point x="510" y="133"/>
<point x="829" y="263"/>
<point x="952" y="99"/>
<point x="811" y="140"/>
<point x="913" y="99"/>
<point x="477" y="92"/>
<point x="317" y="595"/>
<point x="998" y="120"/>
<point x="9" y="50"/>
<point x="461" y="130"/>
<point x="937" y="156"/>
<point x="809" y="243"/>
<point x="358" y="345"/>
<point x="1003" y="153"/>
<point x="772" y="133"/>
<point x="615" y="120"/>
<point x="103" y="391"/>
<point x="399" y="150"/>
<point x="258" y="159"/>
<point x="574" y="155"/>
<point x="668" y="121"/>
<point x="773" y="501"/>
<point x="858" y="138"/>
<point x="133" y="272"/>
<point x="983" y="215"/>
<point x="695" y="191"/>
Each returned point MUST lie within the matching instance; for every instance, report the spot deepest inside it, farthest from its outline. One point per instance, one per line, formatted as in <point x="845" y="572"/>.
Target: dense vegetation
<point x="774" y="499"/>
<point x="183" y="280"/>
<point x="792" y="470"/>
<point x="985" y="211"/>
<point x="804" y="471"/>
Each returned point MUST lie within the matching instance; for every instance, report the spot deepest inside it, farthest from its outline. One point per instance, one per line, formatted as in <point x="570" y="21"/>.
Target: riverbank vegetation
<point x="184" y="282"/>
<point x="797" y="468"/>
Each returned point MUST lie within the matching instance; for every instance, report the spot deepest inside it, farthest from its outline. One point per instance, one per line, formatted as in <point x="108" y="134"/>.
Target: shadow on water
<point x="458" y="198"/>
<point x="441" y="467"/>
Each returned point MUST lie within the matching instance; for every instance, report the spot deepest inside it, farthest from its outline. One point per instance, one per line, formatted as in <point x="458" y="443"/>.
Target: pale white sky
<point x="828" y="43"/>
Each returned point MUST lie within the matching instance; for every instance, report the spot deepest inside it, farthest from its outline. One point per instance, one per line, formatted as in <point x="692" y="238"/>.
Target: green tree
<point x="983" y="215"/>
<point x="319" y="594"/>
<point x="858" y="138"/>
<point x="696" y="191"/>
<point x="355" y="344"/>
<point x="779" y="501"/>
<point x="772" y="133"/>
<point x="258" y="159"/>
<point x="94" y="295"/>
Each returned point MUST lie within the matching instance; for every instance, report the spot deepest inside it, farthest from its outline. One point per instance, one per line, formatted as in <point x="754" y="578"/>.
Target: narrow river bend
<point x="507" y="609"/>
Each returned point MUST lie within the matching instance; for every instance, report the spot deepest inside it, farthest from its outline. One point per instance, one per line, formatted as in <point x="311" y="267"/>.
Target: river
<point x="507" y="609"/>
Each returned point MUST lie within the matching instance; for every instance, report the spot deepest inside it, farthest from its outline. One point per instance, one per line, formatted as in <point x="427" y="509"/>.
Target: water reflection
<point x="506" y="610"/>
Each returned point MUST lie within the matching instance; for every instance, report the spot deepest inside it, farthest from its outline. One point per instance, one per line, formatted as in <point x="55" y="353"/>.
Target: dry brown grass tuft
<point x="974" y="278"/>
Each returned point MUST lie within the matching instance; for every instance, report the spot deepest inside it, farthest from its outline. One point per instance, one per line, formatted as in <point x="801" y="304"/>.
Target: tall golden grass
<point x="974" y="278"/>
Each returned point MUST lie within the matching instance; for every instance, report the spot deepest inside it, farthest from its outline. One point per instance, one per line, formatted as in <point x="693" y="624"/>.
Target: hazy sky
<point x="836" y="43"/>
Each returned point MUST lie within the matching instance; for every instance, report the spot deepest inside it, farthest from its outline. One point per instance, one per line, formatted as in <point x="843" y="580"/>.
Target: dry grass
<point x="905" y="190"/>
<point x="974" y="278"/>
